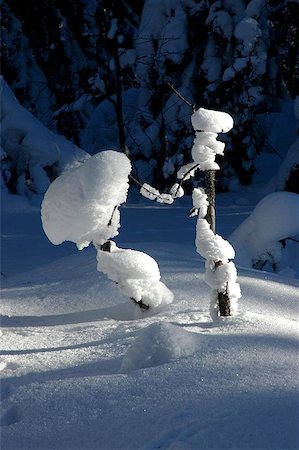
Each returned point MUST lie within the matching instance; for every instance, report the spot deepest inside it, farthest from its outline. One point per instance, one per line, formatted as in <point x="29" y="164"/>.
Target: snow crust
<point x="136" y="273"/>
<point x="82" y="204"/>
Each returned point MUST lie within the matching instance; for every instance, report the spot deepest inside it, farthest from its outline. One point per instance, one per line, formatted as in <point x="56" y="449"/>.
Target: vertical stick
<point x="210" y="190"/>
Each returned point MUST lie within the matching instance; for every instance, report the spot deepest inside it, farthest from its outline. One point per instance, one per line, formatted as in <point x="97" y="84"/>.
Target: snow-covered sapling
<point x="221" y="273"/>
<point x="82" y="206"/>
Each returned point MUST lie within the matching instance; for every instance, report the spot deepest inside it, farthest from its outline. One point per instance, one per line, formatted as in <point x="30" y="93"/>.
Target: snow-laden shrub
<point x="221" y="273"/>
<point x="32" y="156"/>
<point x="261" y="238"/>
<point x="136" y="273"/>
<point x="82" y="206"/>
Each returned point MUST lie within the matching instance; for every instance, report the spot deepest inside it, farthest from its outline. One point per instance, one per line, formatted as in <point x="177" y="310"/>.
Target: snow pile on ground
<point x="137" y="274"/>
<point x="261" y="237"/>
<point x="157" y="344"/>
<point x="30" y="152"/>
<point x="82" y="204"/>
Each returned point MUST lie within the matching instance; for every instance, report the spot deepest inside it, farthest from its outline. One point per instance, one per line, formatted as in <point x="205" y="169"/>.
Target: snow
<point x="247" y="31"/>
<point x="83" y="367"/>
<point x="212" y="246"/>
<point x="33" y="146"/>
<point x="291" y="160"/>
<point x="153" y="194"/>
<point x="137" y="275"/>
<point x="177" y="191"/>
<point x="159" y="343"/>
<point x="228" y="74"/>
<point x="211" y="121"/>
<point x="81" y="205"/>
<point x="275" y="217"/>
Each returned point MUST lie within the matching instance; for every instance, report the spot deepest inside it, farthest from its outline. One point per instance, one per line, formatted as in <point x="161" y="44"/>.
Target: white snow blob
<point x="136" y="273"/>
<point x="211" y="121"/>
<point x="82" y="204"/>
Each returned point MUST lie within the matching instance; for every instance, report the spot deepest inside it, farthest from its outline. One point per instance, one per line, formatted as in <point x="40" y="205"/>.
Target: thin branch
<point x="181" y="96"/>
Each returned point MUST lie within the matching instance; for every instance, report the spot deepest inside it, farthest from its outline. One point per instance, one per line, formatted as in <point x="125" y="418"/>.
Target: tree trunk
<point x="119" y="105"/>
<point x="210" y="190"/>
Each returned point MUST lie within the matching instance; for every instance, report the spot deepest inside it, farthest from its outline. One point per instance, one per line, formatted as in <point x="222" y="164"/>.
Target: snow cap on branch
<point x="187" y="171"/>
<point x="136" y="273"/>
<point x="200" y="201"/>
<point x="82" y="204"/>
<point x="210" y="140"/>
<point x="151" y="193"/>
<point x="211" y="121"/>
<point x="212" y="246"/>
<point x="177" y="191"/>
<point x="207" y="123"/>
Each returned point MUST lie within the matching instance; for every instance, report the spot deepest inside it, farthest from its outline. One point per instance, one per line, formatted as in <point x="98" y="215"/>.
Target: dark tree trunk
<point x="119" y="105"/>
<point x="210" y="190"/>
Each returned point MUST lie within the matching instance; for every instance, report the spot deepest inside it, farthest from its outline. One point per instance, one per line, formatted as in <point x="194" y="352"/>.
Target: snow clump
<point x="136" y="273"/>
<point x="211" y="121"/>
<point x="81" y="205"/>
<point x="207" y="123"/>
<point x="152" y="193"/>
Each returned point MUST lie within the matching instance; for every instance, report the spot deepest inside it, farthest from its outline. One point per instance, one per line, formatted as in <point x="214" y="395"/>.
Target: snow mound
<point x="31" y="151"/>
<point x="136" y="273"/>
<point x="275" y="217"/>
<point x="158" y="344"/>
<point x="82" y="204"/>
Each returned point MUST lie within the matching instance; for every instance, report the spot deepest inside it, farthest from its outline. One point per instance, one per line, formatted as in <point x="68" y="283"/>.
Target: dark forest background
<point x="101" y="73"/>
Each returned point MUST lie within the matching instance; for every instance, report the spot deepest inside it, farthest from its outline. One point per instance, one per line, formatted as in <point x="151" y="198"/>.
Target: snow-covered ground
<point x="84" y="368"/>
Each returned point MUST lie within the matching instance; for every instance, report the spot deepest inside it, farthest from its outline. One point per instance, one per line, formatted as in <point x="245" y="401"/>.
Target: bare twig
<point x="181" y="96"/>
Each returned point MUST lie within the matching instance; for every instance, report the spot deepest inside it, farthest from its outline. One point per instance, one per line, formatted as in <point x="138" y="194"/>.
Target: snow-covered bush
<point x="261" y="239"/>
<point x="221" y="274"/>
<point x="32" y="156"/>
<point x="82" y="206"/>
<point x="136" y="273"/>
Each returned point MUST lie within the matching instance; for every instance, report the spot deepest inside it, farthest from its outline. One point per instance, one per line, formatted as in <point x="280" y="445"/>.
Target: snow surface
<point x="83" y="368"/>
<point x="81" y="205"/>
